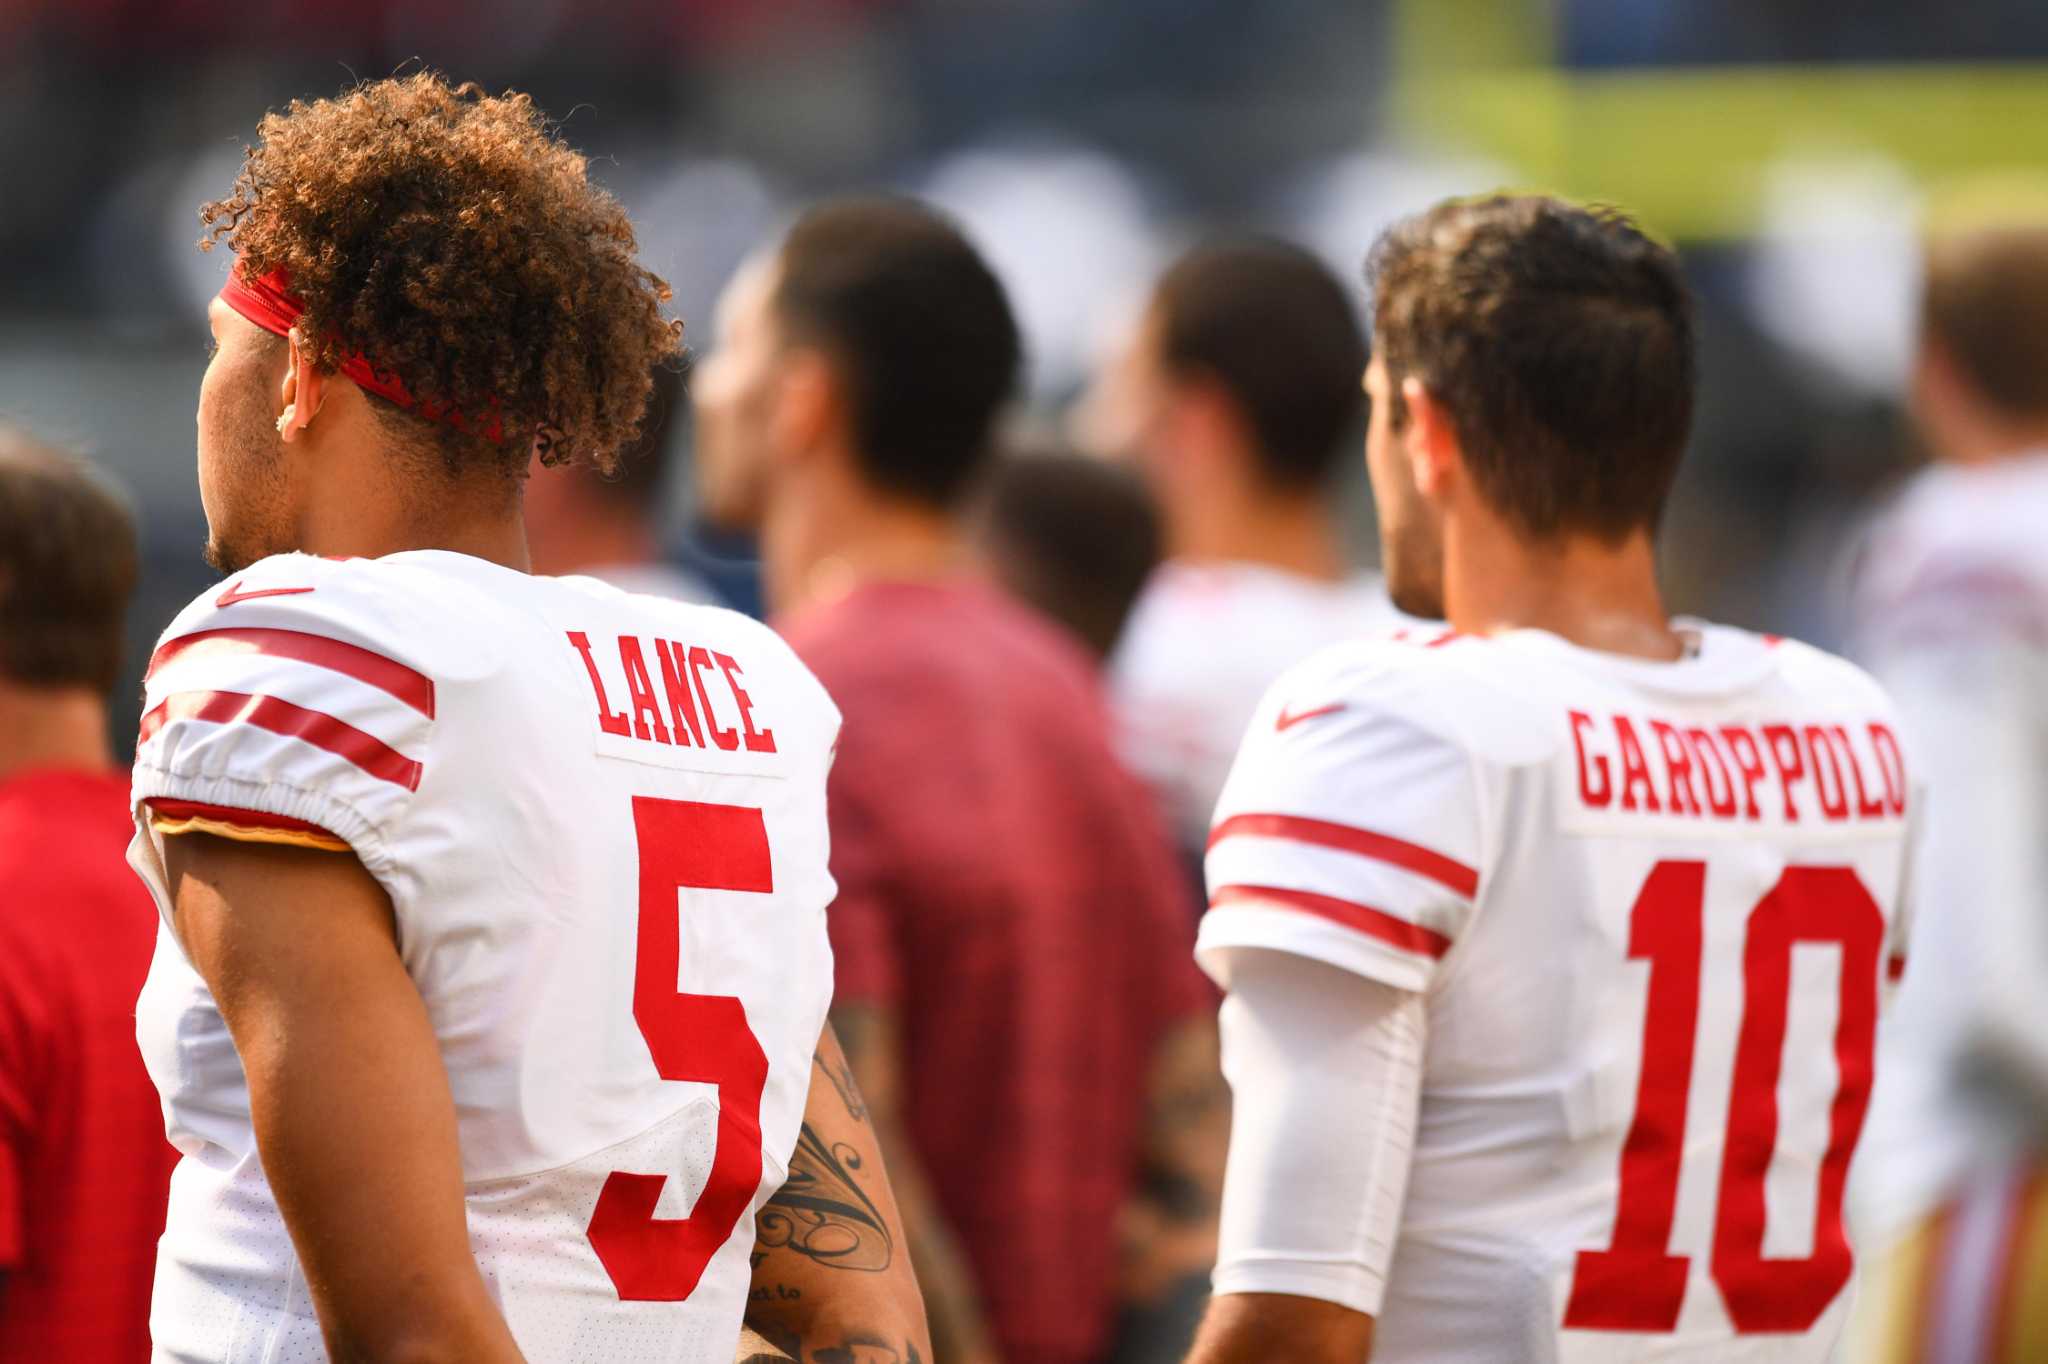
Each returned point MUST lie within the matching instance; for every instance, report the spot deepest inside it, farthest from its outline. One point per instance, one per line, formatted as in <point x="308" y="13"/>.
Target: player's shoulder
<point x="1409" y="689"/>
<point x="1428" y="675"/>
<point x="1957" y="554"/>
<point x="1817" y="677"/>
<point x="435" y="622"/>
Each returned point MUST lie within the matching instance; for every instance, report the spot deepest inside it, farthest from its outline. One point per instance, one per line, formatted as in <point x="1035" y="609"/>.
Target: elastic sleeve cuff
<point x="307" y="809"/>
<point x="1348" y="1285"/>
<point x="172" y="817"/>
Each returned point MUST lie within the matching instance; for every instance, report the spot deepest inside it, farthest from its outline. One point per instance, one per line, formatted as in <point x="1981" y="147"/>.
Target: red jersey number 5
<point x="685" y="845"/>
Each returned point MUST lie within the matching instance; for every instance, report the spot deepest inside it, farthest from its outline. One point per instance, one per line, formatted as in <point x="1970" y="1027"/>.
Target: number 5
<point x="685" y="845"/>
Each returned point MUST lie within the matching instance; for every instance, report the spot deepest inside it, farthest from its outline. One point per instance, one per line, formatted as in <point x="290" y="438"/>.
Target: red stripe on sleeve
<point x="1374" y="923"/>
<point x="321" y="730"/>
<point x="414" y="688"/>
<point x="1445" y="871"/>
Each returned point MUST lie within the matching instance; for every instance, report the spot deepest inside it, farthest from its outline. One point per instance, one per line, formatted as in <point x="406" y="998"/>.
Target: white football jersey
<point x="1650" y="908"/>
<point x="1952" y="617"/>
<point x="601" y="822"/>
<point x="1203" y="643"/>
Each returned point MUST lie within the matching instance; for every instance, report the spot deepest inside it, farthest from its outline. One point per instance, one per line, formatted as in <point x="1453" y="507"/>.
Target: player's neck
<point x="52" y="727"/>
<point x="1989" y="441"/>
<point x="480" y="518"/>
<point x="820" y="541"/>
<point x="1293" y="534"/>
<point x="1594" y="594"/>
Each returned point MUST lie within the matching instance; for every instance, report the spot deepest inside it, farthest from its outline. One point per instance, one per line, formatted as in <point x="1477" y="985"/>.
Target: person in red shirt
<point x="84" y="1167"/>
<point x="1011" y="929"/>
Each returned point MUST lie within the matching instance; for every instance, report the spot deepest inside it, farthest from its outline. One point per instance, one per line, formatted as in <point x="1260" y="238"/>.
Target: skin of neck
<point x="1216" y="505"/>
<point x="362" y="497"/>
<point x="1963" y="429"/>
<point x="52" y="727"/>
<point x="1594" y="593"/>
<point x="825" y="531"/>
<point x="1237" y="519"/>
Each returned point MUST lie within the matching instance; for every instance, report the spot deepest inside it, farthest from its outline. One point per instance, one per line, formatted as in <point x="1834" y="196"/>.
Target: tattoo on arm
<point x="820" y="1211"/>
<point x="841" y="1077"/>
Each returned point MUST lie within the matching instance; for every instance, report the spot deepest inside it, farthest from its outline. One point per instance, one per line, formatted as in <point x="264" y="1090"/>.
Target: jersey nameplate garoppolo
<point x="1651" y="908"/>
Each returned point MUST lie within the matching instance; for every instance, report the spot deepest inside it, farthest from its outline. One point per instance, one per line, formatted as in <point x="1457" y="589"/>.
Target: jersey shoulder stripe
<point x="388" y="675"/>
<point x="1448" y="872"/>
<point x="1373" y="923"/>
<point x="366" y="751"/>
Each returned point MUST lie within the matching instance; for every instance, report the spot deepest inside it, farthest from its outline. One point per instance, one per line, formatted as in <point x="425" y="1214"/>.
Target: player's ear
<point x="303" y="392"/>
<point x="810" y="410"/>
<point x="1205" y="421"/>
<point x="1430" y="439"/>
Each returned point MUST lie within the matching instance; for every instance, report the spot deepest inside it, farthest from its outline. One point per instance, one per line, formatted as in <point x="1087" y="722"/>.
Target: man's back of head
<point x="1072" y="535"/>
<point x="1981" y="385"/>
<point x="851" y="401"/>
<point x="1532" y="378"/>
<point x="1234" y="396"/>
<point x="67" y="570"/>
<point x="922" y="334"/>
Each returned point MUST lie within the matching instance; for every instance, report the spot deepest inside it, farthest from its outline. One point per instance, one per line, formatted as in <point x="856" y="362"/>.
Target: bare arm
<point x="351" y="1107"/>
<point x="832" y="1275"/>
<point x="874" y="1052"/>
<point x="1251" y="1328"/>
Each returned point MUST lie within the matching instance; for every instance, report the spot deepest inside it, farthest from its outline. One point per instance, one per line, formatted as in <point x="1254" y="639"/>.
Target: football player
<point x="493" y="959"/>
<point x="1953" y="617"/>
<point x="1233" y="398"/>
<point x="1553" y="941"/>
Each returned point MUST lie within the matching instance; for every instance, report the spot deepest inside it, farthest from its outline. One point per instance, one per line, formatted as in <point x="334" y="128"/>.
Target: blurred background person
<point x="1954" y="620"/>
<point x="1234" y="396"/>
<point x="1070" y="535"/>
<point x="1014" y="986"/>
<point x="610" y="526"/>
<point x="84" y="1167"/>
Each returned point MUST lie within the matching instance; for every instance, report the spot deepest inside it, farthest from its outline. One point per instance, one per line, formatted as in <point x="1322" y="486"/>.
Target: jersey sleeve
<point x="1348" y="832"/>
<point x="286" y="709"/>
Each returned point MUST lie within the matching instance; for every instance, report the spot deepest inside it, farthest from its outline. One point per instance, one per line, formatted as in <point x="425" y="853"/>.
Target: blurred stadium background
<point x="1790" y="146"/>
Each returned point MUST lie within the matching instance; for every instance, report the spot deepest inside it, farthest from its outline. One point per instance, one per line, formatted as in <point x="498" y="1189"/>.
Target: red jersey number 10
<point x="685" y="845"/>
<point x="1637" y="1284"/>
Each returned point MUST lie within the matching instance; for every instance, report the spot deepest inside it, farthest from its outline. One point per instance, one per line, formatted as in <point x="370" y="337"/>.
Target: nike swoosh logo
<point x="1287" y="721"/>
<point x="235" y="593"/>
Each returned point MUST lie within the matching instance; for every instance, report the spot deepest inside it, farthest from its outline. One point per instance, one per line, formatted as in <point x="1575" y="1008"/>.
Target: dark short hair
<point x="67" y="569"/>
<point x="1985" y="308"/>
<point x="1269" y="323"/>
<point x="1074" y="537"/>
<point x="920" y="329"/>
<point x="1559" y="340"/>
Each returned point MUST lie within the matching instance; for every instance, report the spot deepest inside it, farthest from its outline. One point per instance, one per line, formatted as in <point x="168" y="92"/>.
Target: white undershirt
<point x="1325" y="1069"/>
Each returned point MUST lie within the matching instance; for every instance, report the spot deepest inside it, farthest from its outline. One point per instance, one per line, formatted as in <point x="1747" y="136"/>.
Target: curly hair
<point x="455" y="240"/>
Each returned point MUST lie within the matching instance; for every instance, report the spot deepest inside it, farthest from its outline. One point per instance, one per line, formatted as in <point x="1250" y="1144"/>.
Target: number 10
<point x="1637" y="1284"/>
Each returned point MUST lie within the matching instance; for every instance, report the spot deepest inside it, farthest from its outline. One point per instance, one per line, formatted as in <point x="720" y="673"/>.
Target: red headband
<point x="268" y="302"/>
